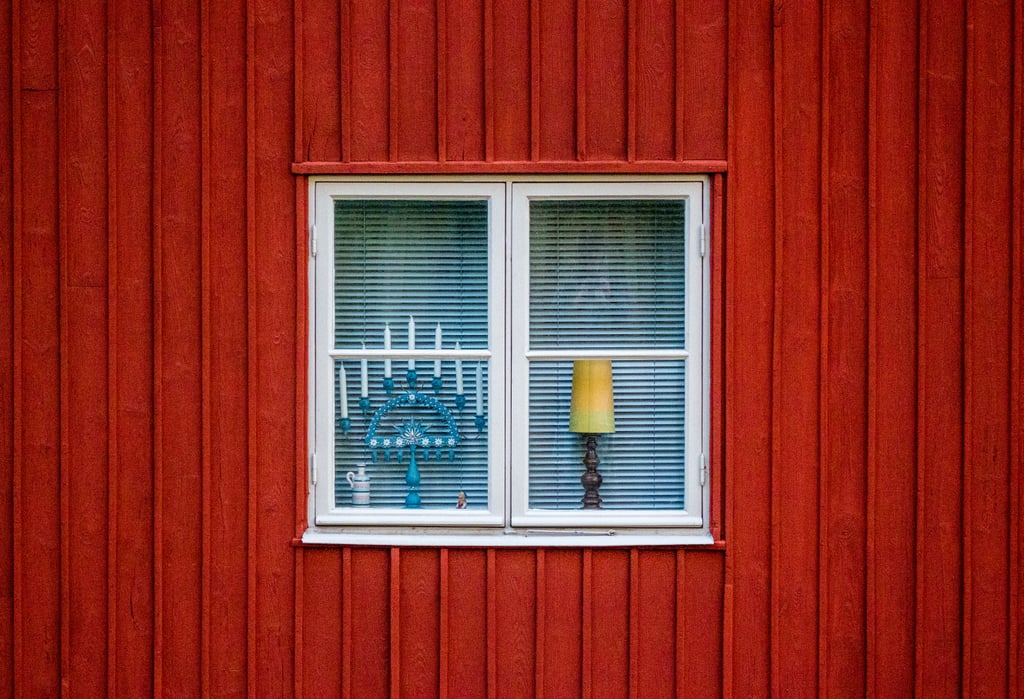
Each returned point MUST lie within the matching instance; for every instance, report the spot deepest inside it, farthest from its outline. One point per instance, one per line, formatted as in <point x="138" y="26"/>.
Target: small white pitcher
<point x="360" y="484"/>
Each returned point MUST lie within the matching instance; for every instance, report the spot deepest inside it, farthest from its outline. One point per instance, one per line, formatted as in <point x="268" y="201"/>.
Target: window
<point x="499" y="359"/>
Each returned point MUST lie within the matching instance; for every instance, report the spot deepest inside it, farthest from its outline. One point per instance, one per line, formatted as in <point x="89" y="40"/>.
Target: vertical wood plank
<point x="228" y="356"/>
<point x="395" y="623"/>
<point x="515" y="618"/>
<point x="158" y="354"/>
<point x="321" y="79"/>
<point x="653" y="103"/>
<point x="555" y="75"/>
<point x="131" y="272"/>
<point x="180" y="368"/>
<point x="844" y="342"/>
<point x="37" y="401"/>
<point x="369" y="621"/>
<point x="605" y="85"/>
<point x="419" y="598"/>
<point x="322" y="622"/>
<point x="366" y="47"/>
<point x="1016" y="582"/>
<point x="273" y="345"/>
<point x="510" y="79"/>
<point x="940" y="368"/>
<point x="610" y="624"/>
<point x="563" y="624"/>
<point x="987" y="307"/>
<point x="749" y="313"/>
<point x="796" y="359"/>
<point x="701" y="95"/>
<point x="700" y="578"/>
<point x="717" y="470"/>
<point x="467" y="623"/>
<point x="36" y="390"/>
<point x="658" y="619"/>
<point x="892" y="361"/>
<point x="7" y="375"/>
<point x="206" y="281"/>
<point x="414" y="80"/>
<point x="464" y="80"/>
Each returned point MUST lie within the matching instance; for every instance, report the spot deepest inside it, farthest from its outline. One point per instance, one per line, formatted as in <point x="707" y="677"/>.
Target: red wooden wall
<point x="867" y="369"/>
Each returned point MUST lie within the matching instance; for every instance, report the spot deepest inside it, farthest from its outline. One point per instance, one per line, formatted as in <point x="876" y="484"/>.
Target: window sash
<point x="327" y="356"/>
<point x="526" y="356"/>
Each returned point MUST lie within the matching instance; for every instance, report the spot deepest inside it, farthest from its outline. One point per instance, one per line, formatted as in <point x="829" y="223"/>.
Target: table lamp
<point x="591" y="412"/>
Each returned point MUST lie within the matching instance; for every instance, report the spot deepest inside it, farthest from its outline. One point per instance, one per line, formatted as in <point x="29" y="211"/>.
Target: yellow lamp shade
<point x="593" y="406"/>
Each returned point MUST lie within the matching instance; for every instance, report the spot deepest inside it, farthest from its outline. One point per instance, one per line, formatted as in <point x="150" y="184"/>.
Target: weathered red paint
<point x="867" y="308"/>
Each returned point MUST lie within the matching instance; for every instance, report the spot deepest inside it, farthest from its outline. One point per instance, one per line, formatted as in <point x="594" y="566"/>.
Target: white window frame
<point x="508" y="520"/>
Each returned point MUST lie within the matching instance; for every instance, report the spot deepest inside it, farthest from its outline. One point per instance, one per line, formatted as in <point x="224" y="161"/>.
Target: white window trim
<point x="509" y="522"/>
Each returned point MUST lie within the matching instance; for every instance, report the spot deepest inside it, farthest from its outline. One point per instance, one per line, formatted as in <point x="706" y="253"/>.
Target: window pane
<point x="607" y="274"/>
<point x="425" y="259"/>
<point x="642" y="462"/>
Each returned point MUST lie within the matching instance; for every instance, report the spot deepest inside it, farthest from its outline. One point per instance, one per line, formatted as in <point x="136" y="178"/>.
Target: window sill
<point x="521" y="538"/>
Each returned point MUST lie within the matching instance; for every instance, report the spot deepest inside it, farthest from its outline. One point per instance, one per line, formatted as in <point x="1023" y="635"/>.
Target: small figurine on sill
<point x="462" y="501"/>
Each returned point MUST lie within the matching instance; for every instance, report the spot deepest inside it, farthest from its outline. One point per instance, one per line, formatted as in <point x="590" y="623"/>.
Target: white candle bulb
<point x="387" y="348"/>
<point x="437" y="346"/>
<point x="364" y="388"/>
<point x="412" y="342"/>
<point x="344" y="394"/>
<point x="479" y="389"/>
<point x="458" y="372"/>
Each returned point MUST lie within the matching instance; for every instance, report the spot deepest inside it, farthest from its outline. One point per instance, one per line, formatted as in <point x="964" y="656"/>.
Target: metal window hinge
<point x="312" y="240"/>
<point x="312" y="468"/>
<point x="703" y="469"/>
<point x="703" y="241"/>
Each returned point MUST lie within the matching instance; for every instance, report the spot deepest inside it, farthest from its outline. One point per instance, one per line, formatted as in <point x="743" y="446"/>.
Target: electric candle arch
<point x="413" y="435"/>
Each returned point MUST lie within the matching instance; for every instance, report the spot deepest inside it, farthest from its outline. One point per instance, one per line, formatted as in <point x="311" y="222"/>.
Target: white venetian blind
<point x="608" y="275"/>
<point x="396" y="258"/>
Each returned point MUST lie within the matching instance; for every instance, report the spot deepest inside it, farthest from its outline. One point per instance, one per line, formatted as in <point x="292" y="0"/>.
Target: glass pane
<point x="423" y="261"/>
<point x="607" y="274"/>
<point x="641" y="462"/>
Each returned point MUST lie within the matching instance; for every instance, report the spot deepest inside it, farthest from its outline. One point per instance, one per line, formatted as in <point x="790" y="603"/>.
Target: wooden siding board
<point x="272" y="347"/>
<point x="419" y="600"/>
<point x="609" y="597"/>
<point x="700" y="580"/>
<point x="414" y="80"/>
<point x="180" y="364"/>
<point x="7" y="375"/>
<point x="562" y="595"/>
<point x="132" y="348"/>
<point x="749" y="313"/>
<point x="366" y="48"/>
<point x="369" y="619"/>
<point x="941" y="371"/>
<point x="509" y="80"/>
<point x="555" y="77"/>
<point x="892" y="419"/>
<point x="987" y="306"/>
<point x="515" y="619"/>
<point x="605" y="80"/>
<point x="83" y="309"/>
<point x="228" y="356"/>
<point x="796" y="361"/>
<point x="37" y="568"/>
<point x="657" y="621"/>
<point x="464" y="80"/>
<point x="467" y="624"/>
<point x="653" y="94"/>
<point x="322" y="623"/>
<point x="86" y="462"/>
<point x="844" y="334"/>
<point x="701" y="94"/>
<point x="321" y="80"/>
